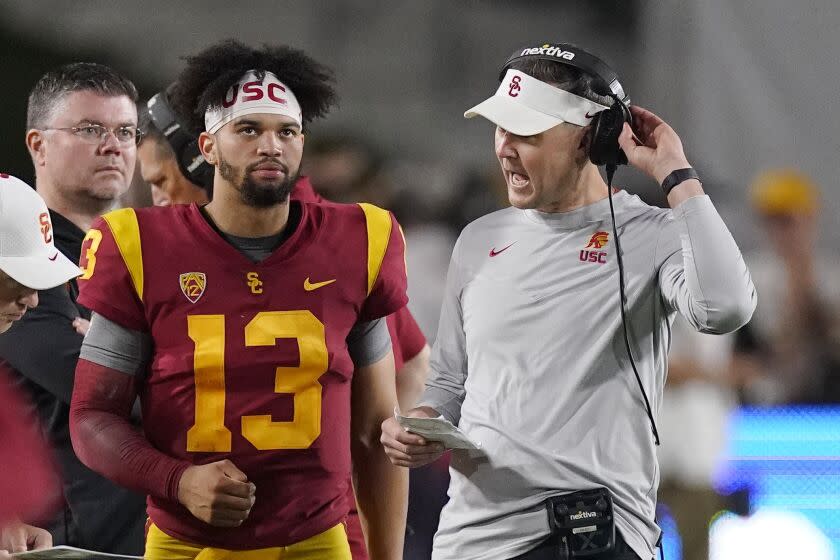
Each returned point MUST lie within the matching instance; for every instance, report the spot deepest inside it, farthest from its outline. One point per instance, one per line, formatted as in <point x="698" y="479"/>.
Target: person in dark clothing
<point x="82" y="136"/>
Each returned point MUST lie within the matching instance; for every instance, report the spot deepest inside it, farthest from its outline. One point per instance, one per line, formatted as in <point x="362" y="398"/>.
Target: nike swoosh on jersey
<point x="309" y="286"/>
<point x="494" y="252"/>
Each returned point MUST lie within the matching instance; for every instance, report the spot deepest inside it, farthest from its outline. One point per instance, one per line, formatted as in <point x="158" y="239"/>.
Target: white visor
<point x="251" y="95"/>
<point x="526" y="106"/>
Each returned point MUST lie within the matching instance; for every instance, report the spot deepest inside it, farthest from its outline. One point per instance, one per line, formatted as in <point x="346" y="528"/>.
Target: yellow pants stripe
<point x="331" y="544"/>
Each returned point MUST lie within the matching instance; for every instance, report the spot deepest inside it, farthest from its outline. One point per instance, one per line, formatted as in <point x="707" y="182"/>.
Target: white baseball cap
<point x="27" y="251"/>
<point x="526" y="106"/>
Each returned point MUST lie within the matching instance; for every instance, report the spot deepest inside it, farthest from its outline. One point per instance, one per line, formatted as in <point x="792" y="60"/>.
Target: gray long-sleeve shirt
<point x="530" y="360"/>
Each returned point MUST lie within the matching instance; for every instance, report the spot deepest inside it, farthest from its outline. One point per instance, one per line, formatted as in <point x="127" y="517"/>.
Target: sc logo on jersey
<point x="254" y="282"/>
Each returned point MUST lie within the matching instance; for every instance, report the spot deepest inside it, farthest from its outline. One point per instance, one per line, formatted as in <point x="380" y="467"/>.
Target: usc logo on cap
<point x="46" y="227"/>
<point x="514" y="88"/>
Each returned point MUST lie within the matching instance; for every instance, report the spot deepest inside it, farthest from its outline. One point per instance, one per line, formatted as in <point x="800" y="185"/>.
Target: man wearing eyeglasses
<point x="82" y="135"/>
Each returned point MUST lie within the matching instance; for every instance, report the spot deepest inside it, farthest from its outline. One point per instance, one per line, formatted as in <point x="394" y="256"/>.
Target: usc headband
<point x="253" y="95"/>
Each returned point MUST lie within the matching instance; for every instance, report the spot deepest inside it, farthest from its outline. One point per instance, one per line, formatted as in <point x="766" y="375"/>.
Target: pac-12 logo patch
<point x="193" y="285"/>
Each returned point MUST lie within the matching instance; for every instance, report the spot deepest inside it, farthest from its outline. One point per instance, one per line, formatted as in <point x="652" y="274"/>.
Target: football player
<point x="231" y="321"/>
<point x="177" y="173"/>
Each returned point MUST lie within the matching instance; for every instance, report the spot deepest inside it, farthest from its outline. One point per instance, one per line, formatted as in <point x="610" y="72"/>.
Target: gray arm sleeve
<point x="703" y="275"/>
<point x="368" y="342"/>
<point x="448" y="363"/>
<point x="114" y="346"/>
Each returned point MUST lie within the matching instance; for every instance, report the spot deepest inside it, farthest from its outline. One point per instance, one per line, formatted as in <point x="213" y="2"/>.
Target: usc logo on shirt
<point x="598" y="240"/>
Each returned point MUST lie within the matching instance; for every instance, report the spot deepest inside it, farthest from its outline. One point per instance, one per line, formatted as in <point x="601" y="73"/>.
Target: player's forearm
<point x="382" y="499"/>
<point x="105" y="440"/>
<point x="411" y="379"/>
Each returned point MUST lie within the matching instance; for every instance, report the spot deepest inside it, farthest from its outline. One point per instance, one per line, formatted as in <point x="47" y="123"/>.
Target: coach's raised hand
<point x="217" y="493"/>
<point x="656" y="149"/>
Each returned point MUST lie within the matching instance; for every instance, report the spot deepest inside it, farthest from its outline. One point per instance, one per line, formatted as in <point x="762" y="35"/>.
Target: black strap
<point x="678" y="176"/>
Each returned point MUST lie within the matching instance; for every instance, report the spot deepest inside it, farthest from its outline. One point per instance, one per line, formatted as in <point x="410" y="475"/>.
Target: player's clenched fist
<point x="409" y="450"/>
<point x="217" y="493"/>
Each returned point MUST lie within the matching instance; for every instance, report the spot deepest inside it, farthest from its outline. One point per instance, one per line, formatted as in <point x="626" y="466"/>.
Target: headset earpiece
<point x="605" y="129"/>
<point x="190" y="160"/>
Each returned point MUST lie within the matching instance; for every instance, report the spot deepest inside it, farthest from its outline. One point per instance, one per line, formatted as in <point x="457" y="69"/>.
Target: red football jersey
<point x="250" y="360"/>
<point x="406" y="336"/>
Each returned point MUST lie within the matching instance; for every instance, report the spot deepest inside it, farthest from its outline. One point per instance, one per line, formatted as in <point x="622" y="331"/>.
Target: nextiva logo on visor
<point x="548" y="50"/>
<point x="526" y="106"/>
<point x="252" y="95"/>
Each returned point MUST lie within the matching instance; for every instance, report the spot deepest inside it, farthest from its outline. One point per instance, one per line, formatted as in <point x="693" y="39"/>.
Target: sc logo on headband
<point x="253" y="91"/>
<point x="514" y="88"/>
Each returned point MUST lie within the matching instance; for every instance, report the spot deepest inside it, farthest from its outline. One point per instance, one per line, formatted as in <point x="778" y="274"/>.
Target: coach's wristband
<point x="678" y="176"/>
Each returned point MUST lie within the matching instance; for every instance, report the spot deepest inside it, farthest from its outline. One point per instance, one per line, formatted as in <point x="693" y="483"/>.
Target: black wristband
<point x="678" y="176"/>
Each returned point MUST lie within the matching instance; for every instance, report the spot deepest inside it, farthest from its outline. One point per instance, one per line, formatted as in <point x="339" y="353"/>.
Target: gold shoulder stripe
<point x="379" y="225"/>
<point x="126" y="232"/>
<point x="405" y="249"/>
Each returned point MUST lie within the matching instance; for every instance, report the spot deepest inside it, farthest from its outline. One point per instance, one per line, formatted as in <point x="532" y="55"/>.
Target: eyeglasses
<point x="96" y="133"/>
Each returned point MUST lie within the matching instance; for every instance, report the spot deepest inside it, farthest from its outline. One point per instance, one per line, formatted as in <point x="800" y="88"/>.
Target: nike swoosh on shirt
<point x="494" y="252"/>
<point x="309" y="286"/>
<point x="52" y="258"/>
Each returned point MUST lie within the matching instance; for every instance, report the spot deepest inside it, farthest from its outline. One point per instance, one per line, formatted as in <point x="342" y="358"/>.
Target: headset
<point x="184" y="144"/>
<point x="602" y="148"/>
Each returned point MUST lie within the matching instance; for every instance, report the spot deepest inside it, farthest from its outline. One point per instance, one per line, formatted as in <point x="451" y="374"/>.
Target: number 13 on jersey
<point x="209" y="432"/>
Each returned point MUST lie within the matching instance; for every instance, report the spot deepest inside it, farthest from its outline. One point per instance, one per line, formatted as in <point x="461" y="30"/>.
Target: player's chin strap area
<point x="610" y="169"/>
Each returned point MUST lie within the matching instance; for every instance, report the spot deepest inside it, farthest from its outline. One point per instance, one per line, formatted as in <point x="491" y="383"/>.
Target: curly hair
<point x="209" y="75"/>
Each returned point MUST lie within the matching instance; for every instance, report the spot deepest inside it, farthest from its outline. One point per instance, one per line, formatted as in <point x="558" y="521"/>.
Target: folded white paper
<point x="437" y="429"/>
